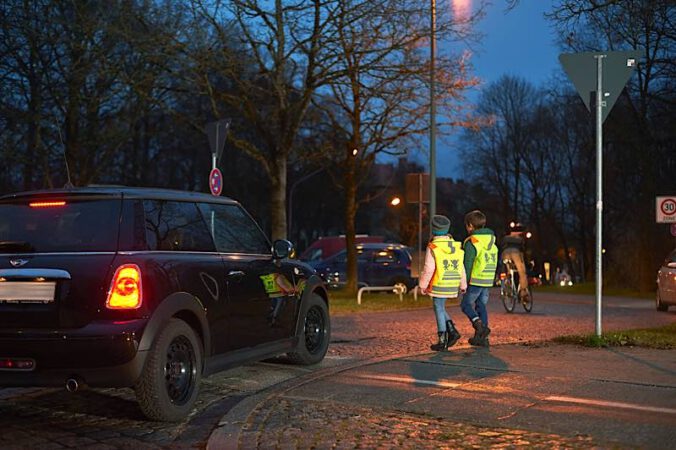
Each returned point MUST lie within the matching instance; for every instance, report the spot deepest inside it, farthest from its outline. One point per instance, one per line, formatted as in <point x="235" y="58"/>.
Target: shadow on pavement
<point x="472" y="363"/>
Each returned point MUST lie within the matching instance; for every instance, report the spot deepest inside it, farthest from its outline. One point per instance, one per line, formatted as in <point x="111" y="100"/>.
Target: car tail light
<point x="17" y="364"/>
<point x="503" y="275"/>
<point x="46" y="204"/>
<point x="125" y="290"/>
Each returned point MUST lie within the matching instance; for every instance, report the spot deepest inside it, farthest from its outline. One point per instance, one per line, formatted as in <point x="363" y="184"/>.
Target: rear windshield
<point x="59" y="225"/>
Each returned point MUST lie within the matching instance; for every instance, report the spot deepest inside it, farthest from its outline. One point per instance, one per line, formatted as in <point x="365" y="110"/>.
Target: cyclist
<point x="514" y="248"/>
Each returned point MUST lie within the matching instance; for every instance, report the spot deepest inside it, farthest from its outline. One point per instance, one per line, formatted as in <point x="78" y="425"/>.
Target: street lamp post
<point x="433" y="113"/>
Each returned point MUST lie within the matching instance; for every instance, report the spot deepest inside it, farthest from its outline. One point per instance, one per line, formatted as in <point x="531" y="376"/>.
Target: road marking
<point x="587" y="401"/>
<point x="552" y="398"/>
<point x="408" y="380"/>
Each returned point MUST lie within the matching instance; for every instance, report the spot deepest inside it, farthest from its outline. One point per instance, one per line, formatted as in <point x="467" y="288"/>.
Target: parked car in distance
<point x="151" y="289"/>
<point x="325" y="247"/>
<point x="378" y="264"/>
<point x="666" y="283"/>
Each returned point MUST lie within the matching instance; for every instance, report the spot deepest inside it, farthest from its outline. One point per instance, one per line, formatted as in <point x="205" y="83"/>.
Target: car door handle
<point x="236" y="274"/>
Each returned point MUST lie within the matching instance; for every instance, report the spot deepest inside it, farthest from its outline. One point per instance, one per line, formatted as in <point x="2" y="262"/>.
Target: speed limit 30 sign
<point x="665" y="208"/>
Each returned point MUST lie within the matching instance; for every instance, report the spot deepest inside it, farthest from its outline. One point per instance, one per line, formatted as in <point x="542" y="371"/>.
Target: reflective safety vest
<point x="486" y="261"/>
<point x="448" y="256"/>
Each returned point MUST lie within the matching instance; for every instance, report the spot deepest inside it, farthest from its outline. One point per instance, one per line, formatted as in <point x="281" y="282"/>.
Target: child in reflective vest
<point x="443" y="277"/>
<point x="481" y="261"/>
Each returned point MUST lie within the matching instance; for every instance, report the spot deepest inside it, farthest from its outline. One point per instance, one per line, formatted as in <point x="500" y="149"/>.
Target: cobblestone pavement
<point x="290" y="423"/>
<point x="377" y="334"/>
<point x="39" y="418"/>
<point x="110" y="418"/>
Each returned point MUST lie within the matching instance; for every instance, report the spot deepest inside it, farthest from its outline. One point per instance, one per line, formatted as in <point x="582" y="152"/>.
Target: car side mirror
<point x="282" y="248"/>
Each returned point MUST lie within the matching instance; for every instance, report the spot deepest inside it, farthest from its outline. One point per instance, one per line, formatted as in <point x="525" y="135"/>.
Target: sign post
<point x="586" y="71"/>
<point x="216" y="132"/>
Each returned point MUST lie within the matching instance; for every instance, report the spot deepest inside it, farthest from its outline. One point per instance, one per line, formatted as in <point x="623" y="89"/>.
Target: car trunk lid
<point x="55" y="259"/>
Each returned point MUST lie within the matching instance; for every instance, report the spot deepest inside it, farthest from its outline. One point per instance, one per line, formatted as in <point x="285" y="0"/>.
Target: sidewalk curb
<point x="230" y="429"/>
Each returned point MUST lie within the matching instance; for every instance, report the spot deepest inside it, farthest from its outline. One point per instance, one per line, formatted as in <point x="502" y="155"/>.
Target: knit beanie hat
<point x="440" y="225"/>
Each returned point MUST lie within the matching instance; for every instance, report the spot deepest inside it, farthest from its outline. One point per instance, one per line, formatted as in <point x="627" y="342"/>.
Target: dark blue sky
<point x="518" y="42"/>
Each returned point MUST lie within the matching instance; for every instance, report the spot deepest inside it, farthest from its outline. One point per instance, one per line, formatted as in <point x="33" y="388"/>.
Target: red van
<point x="327" y="246"/>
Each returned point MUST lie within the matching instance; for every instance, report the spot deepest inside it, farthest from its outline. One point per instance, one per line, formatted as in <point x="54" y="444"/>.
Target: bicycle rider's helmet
<point x="516" y="227"/>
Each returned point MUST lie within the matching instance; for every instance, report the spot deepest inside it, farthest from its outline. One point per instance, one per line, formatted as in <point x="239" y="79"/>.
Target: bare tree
<point x="642" y="155"/>
<point x="283" y="44"/>
<point x="375" y="106"/>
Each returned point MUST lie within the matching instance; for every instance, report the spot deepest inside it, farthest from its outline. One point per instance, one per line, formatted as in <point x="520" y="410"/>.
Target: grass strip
<point x="342" y="302"/>
<point x="657" y="338"/>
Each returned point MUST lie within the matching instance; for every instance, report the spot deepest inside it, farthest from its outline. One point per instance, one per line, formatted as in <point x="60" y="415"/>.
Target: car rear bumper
<point x="101" y="354"/>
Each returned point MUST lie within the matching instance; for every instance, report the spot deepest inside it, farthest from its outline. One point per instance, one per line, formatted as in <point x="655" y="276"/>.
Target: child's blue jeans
<point x="440" y="313"/>
<point x="474" y="303"/>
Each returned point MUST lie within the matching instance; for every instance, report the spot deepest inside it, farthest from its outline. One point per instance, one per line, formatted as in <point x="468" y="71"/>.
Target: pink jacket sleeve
<point x="463" y="278"/>
<point x="427" y="270"/>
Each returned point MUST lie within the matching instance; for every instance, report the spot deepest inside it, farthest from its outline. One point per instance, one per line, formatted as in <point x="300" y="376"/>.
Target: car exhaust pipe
<point x="73" y="384"/>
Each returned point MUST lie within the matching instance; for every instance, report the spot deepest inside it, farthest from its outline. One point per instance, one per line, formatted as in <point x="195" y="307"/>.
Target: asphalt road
<point x="389" y="354"/>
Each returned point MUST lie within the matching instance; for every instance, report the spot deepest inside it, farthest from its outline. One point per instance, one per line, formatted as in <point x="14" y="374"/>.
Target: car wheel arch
<point x="184" y="306"/>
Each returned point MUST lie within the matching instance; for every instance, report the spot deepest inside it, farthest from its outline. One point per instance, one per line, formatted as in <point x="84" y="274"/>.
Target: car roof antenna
<point x="69" y="184"/>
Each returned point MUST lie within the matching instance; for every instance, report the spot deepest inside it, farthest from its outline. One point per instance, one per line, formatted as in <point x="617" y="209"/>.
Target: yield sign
<point x="581" y="68"/>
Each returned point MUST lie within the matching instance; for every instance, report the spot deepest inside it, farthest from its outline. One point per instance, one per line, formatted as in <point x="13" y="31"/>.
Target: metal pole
<point x="599" y="188"/>
<point x="420" y="202"/>
<point x="433" y="114"/>
<point x="213" y="166"/>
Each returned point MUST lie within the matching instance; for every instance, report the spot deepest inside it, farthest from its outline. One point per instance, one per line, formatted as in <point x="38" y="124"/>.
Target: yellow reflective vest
<point x="448" y="256"/>
<point x="486" y="261"/>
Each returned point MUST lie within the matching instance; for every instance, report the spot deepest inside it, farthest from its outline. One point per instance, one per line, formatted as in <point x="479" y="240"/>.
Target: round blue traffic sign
<point x="216" y="182"/>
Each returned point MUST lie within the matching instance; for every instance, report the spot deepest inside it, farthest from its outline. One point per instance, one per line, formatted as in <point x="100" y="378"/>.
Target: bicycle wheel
<point x="527" y="302"/>
<point x="507" y="295"/>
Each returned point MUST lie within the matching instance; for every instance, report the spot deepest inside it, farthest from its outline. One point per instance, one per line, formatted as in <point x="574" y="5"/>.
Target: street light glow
<point x="395" y="201"/>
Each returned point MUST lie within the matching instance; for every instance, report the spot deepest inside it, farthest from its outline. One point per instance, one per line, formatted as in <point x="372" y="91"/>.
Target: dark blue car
<point x="378" y="264"/>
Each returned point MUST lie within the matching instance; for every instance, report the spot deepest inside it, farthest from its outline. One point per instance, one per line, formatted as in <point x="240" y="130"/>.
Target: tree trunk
<point x="350" y="214"/>
<point x="278" y="197"/>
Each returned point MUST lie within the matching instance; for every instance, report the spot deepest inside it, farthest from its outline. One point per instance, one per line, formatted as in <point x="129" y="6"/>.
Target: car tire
<point x="313" y="341"/>
<point x="658" y="302"/>
<point x="169" y="383"/>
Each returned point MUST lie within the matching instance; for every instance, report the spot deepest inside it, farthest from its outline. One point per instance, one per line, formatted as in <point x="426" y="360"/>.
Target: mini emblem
<point x="18" y="262"/>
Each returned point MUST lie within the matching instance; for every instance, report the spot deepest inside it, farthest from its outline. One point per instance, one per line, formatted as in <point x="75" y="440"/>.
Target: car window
<point x="384" y="257"/>
<point x="340" y="257"/>
<point x="313" y="255"/>
<point x="364" y="255"/>
<point x="176" y="226"/>
<point x="234" y="230"/>
<point x="60" y="225"/>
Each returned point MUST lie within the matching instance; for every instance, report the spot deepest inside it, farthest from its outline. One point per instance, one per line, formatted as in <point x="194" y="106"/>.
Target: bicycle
<point x="509" y="289"/>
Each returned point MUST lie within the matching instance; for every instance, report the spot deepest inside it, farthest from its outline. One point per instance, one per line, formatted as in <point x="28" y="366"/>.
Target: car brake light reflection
<point x="125" y="289"/>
